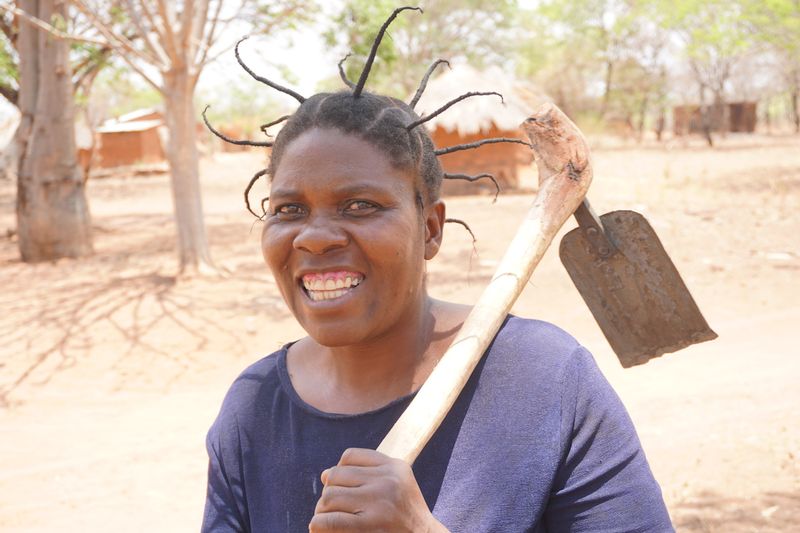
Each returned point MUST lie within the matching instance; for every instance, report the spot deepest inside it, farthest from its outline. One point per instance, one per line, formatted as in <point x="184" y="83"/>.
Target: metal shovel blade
<point x="632" y="287"/>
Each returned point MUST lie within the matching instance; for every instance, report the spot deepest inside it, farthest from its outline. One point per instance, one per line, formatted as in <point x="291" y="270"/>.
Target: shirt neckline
<point x="288" y="388"/>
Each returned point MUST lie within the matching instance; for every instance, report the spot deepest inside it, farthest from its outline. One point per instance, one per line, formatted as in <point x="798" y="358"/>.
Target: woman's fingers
<point x="334" y="522"/>
<point x="363" y="457"/>
<point x="344" y="499"/>
<point x="347" y="476"/>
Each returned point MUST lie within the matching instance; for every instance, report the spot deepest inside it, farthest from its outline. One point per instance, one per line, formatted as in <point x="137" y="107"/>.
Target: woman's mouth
<point x="321" y="286"/>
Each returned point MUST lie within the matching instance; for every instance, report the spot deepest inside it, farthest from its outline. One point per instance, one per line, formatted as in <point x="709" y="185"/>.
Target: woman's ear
<point x="434" y="224"/>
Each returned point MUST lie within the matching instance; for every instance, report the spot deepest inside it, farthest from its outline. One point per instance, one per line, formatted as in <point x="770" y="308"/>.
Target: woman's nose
<point x="320" y="235"/>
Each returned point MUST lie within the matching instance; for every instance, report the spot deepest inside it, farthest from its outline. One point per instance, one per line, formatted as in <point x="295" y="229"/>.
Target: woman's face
<point x="346" y="239"/>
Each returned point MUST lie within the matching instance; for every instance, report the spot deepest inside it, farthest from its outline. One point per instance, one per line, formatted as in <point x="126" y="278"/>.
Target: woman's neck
<point x="362" y="377"/>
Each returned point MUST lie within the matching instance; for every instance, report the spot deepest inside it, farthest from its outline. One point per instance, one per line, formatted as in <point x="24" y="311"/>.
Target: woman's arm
<point x="604" y="482"/>
<point x="224" y="500"/>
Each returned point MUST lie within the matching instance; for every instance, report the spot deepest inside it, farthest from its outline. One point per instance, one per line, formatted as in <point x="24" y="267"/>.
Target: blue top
<point x="536" y="442"/>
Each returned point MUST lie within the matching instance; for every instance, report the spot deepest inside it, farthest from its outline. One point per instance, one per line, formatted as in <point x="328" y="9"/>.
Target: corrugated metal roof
<point x="477" y="113"/>
<point x="137" y="114"/>
<point x="138" y="125"/>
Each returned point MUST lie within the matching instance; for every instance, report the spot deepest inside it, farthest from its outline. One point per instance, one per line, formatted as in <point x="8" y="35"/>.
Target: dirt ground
<point x="111" y="370"/>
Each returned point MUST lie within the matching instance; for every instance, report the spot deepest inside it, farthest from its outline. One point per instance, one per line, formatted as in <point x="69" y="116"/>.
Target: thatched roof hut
<point x="477" y="118"/>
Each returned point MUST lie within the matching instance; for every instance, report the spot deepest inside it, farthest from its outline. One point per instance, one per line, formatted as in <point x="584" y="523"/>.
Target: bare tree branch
<point x="185" y="31"/>
<point x="10" y="94"/>
<point x="172" y="48"/>
<point x="115" y="40"/>
<point x="208" y="41"/>
<point x="120" y="42"/>
<point x="154" y="47"/>
<point x="49" y="28"/>
<point x="9" y="31"/>
<point x="162" y="38"/>
<point x="198" y="27"/>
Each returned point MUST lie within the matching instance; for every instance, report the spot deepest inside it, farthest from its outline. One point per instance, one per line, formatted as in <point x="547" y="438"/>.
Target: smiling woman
<point x="537" y="440"/>
<point x="337" y="209"/>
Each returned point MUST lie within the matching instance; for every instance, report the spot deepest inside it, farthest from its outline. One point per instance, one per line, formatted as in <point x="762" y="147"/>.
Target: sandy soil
<point x="111" y="369"/>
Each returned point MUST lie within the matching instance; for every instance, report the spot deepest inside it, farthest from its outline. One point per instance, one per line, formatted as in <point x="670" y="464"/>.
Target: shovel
<point x="631" y="286"/>
<point x="565" y="172"/>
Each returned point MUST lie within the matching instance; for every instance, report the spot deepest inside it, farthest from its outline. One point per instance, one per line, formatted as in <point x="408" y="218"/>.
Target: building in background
<point x="733" y="117"/>
<point x="135" y="138"/>
<point x="480" y="117"/>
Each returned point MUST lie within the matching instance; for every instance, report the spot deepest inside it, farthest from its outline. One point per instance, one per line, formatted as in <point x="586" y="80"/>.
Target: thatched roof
<point x="477" y="113"/>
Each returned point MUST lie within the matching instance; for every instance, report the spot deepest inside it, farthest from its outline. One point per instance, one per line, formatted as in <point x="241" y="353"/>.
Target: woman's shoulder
<point x="528" y="352"/>
<point x="262" y="378"/>
<point x="534" y="342"/>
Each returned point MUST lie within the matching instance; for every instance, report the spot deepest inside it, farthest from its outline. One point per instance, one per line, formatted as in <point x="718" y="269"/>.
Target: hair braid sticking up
<point x="387" y="123"/>
<point x="368" y="65"/>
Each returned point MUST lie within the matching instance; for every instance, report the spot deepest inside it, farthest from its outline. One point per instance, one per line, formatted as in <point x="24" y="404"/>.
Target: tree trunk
<point x="643" y="107"/>
<point x="183" y="160"/>
<point x="607" y="89"/>
<point x="705" y="118"/>
<point x="52" y="214"/>
<point x="661" y="122"/>
<point x="721" y="114"/>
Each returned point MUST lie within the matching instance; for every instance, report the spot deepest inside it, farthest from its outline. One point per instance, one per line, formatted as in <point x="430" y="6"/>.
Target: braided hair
<point x="389" y="124"/>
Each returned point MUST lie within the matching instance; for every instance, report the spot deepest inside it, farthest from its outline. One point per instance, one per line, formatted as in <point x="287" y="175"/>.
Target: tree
<point x="9" y="59"/>
<point x="52" y="213"/>
<point x="87" y="58"/>
<point x="176" y="43"/>
<point x="714" y="39"/>
<point x="479" y="30"/>
<point x="776" y="24"/>
<point x="597" y="34"/>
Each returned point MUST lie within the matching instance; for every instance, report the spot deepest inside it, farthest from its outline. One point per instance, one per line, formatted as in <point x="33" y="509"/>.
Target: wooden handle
<point x="565" y="173"/>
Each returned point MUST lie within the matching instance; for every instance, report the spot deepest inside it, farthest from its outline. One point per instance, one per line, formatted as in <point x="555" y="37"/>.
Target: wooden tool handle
<point x="565" y="173"/>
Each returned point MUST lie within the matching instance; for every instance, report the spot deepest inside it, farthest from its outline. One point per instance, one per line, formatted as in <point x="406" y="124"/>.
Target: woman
<point x="537" y="441"/>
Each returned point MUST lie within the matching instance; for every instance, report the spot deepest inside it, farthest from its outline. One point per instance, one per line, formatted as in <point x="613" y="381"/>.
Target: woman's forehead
<point x="332" y="158"/>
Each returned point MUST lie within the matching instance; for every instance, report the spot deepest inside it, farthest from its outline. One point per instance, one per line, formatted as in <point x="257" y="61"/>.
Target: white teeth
<point x="320" y="289"/>
<point x="326" y="295"/>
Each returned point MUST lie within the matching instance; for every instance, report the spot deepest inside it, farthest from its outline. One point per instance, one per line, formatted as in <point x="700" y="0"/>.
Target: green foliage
<point x="478" y="30"/>
<point x="776" y="22"/>
<point x="9" y="68"/>
<point x="241" y="108"/>
<point x="279" y="15"/>
<point x="575" y="48"/>
<point x="713" y="30"/>
<point x="115" y="93"/>
<point x="9" y="61"/>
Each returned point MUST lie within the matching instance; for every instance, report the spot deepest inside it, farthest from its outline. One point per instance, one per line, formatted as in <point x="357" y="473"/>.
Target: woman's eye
<point x="360" y="207"/>
<point x="289" y="211"/>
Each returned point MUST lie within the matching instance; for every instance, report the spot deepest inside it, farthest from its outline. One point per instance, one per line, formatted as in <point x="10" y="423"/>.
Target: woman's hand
<point x="369" y="491"/>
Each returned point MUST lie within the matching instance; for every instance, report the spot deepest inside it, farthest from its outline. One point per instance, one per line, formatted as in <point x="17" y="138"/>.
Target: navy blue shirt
<point x="536" y="442"/>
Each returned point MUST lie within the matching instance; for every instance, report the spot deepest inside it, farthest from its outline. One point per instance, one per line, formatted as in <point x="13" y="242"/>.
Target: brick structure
<point x="130" y="143"/>
<point x="480" y="117"/>
<point x="501" y="160"/>
<point x="731" y="117"/>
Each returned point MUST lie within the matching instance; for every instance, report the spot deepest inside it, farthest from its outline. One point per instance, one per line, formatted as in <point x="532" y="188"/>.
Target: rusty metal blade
<point x="635" y="293"/>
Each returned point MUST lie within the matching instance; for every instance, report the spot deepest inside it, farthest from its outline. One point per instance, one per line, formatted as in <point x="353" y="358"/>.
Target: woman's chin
<point x="334" y="337"/>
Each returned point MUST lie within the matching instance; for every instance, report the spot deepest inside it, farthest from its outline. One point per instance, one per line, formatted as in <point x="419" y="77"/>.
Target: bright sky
<point x="307" y="57"/>
<point x="303" y="53"/>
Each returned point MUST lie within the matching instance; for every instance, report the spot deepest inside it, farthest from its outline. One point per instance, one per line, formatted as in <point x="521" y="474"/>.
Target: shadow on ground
<point x="712" y="512"/>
